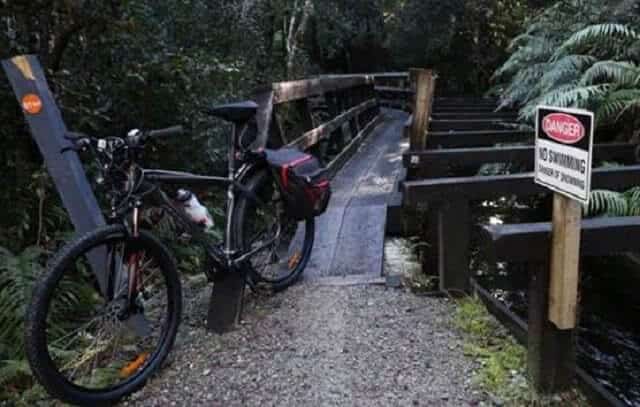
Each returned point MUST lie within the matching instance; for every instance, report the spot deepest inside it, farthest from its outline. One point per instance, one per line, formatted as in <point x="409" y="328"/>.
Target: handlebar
<point x="169" y="131"/>
<point x="134" y="139"/>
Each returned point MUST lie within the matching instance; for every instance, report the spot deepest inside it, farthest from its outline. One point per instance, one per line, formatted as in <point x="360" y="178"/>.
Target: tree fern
<point x="567" y="69"/>
<point x="570" y="95"/>
<point x="618" y="72"/>
<point x="599" y="34"/>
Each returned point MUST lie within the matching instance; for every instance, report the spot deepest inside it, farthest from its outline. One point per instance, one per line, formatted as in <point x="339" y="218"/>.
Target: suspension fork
<point x="134" y="259"/>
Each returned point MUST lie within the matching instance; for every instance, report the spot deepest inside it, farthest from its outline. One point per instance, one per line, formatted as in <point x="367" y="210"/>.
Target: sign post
<point x="48" y="130"/>
<point x="564" y="147"/>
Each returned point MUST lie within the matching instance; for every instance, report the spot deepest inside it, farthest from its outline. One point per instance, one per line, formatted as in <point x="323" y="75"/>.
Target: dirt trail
<point x="319" y="345"/>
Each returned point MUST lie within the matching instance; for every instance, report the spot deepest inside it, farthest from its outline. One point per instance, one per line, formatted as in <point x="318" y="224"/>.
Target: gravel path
<point x="319" y="345"/>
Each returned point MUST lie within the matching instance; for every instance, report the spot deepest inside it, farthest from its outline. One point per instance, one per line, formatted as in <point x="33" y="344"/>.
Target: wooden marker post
<point x="564" y="151"/>
<point x="565" y="259"/>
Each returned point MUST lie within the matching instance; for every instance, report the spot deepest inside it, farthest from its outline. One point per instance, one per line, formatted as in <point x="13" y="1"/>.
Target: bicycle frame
<point x="230" y="256"/>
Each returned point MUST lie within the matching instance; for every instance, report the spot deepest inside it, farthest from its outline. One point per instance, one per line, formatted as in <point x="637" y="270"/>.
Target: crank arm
<point x="246" y="255"/>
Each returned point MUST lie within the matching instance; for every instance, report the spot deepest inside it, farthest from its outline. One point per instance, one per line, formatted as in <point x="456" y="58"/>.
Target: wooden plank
<point x="475" y="115"/>
<point x="312" y="137"/>
<point x="469" y="125"/>
<point x="473" y="100"/>
<point x="348" y="151"/>
<point x="514" y="324"/>
<point x="532" y="241"/>
<point x="453" y="244"/>
<point x="424" y="94"/>
<point x="392" y="89"/>
<point x="621" y="152"/>
<point x="360" y="243"/>
<point x="294" y="90"/>
<point x="550" y="351"/>
<point x="427" y="159"/>
<point x="478" y="138"/>
<point x="477" y="187"/>
<point x="565" y="258"/>
<point x="391" y="75"/>
<point x="439" y="108"/>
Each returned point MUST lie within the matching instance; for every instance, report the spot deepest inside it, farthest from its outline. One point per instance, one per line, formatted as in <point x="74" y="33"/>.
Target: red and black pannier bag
<point x="303" y="182"/>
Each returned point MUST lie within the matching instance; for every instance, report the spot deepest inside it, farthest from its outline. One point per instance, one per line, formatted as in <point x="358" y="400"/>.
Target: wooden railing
<point x="442" y="163"/>
<point x="328" y="116"/>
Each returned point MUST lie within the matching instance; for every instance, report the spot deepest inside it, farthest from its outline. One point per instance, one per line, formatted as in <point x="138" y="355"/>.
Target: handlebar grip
<point x="169" y="131"/>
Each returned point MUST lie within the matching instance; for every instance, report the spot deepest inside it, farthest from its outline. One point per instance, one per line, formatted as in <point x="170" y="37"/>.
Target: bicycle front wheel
<point x="287" y="243"/>
<point x="90" y="348"/>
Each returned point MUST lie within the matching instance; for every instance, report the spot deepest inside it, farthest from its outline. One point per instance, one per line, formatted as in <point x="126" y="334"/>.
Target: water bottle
<point x="194" y="209"/>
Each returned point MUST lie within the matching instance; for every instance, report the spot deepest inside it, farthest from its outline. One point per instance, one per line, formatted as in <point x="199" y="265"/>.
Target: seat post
<point x="228" y="241"/>
<point x="232" y="142"/>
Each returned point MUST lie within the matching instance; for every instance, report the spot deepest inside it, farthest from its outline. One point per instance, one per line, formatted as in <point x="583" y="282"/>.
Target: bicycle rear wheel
<point x="90" y="349"/>
<point x="282" y="262"/>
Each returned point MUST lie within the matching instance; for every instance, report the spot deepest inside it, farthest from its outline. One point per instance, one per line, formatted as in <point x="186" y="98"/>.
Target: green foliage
<point x="577" y="53"/>
<point x="502" y="360"/>
<point x="465" y="40"/>
<point x="611" y="203"/>
<point x="17" y="276"/>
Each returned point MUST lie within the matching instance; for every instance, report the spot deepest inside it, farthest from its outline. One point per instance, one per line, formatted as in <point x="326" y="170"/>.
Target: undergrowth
<point x="502" y="361"/>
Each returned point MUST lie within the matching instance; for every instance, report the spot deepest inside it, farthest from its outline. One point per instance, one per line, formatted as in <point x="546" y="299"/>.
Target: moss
<point x="501" y="360"/>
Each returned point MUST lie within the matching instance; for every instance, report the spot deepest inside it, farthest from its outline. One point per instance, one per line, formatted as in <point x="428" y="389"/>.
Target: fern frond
<point x="598" y="34"/>
<point x="564" y="70"/>
<point x="633" y="201"/>
<point x="607" y="203"/>
<point x="538" y="50"/>
<point x="569" y="95"/>
<point x="617" y="103"/>
<point x="12" y="369"/>
<point x="618" y="72"/>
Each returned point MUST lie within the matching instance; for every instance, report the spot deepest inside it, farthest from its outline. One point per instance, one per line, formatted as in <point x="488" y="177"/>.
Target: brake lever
<point x="79" y="145"/>
<point x="73" y="135"/>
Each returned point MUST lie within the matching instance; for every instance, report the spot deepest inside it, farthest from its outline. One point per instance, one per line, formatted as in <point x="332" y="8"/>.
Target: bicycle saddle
<point x="237" y="113"/>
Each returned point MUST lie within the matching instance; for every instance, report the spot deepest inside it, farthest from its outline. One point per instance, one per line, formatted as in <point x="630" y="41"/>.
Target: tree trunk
<point x="297" y="28"/>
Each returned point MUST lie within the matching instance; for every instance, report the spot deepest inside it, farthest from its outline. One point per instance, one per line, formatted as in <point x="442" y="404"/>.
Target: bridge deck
<point x="350" y="235"/>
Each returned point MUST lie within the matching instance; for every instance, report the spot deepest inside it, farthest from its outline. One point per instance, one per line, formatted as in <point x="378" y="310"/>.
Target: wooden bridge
<point x="414" y="172"/>
<point x="403" y="163"/>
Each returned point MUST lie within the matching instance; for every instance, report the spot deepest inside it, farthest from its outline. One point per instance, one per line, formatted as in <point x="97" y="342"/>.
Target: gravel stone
<point x="319" y="345"/>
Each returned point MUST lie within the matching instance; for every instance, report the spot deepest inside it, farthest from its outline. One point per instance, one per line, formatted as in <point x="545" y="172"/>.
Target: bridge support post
<point x="453" y="245"/>
<point x="425" y="87"/>
<point x="551" y="351"/>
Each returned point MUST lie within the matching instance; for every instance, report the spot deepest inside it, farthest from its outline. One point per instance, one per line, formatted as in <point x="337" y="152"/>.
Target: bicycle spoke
<point x="101" y="346"/>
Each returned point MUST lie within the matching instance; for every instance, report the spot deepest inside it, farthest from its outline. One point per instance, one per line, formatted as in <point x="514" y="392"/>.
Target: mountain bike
<point x="105" y="315"/>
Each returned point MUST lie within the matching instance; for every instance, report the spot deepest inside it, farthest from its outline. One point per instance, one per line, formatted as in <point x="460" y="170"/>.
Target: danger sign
<point x="564" y="146"/>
